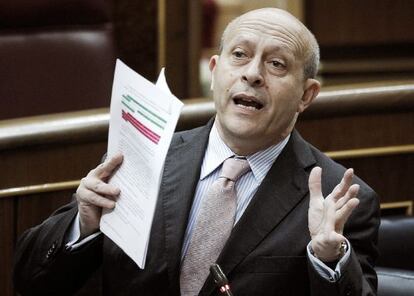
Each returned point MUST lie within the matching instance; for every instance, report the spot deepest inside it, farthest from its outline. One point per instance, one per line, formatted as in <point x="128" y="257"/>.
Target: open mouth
<point x="248" y="102"/>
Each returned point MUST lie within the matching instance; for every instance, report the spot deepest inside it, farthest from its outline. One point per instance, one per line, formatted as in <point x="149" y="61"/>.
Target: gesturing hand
<point x="94" y="193"/>
<point x="327" y="216"/>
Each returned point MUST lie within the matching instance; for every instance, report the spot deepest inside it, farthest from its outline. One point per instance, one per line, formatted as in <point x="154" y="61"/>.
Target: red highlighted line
<point x="153" y="137"/>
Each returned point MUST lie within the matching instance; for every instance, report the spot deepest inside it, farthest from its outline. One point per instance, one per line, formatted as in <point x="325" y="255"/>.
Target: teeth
<point x="247" y="107"/>
<point x="248" y="103"/>
<point x="250" y="108"/>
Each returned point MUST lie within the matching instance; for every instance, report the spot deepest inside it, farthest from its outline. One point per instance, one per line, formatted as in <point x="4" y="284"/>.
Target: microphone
<point x="220" y="279"/>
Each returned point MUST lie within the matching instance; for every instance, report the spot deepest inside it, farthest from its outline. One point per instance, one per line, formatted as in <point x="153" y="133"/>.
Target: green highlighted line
<point x="126" y="105"/>
<point x="146" y="109"/>
<point x="131" y="99"/>
<point x="153" y="121"/>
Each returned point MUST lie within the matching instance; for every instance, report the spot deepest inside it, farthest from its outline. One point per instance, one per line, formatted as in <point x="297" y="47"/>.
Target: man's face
<point x="258" y="82"/>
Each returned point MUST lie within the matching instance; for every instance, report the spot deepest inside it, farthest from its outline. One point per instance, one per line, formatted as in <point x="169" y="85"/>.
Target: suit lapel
<point x="283" y="188"/>
<point x="181" y="175"/>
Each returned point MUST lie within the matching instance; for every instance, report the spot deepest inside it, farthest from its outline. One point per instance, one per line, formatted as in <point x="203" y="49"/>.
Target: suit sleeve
<point x="358" y="277"/>
<point x="43" y="266"/>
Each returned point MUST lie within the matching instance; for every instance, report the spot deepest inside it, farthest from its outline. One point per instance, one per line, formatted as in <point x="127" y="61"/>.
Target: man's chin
<point x="239" y="128"/>
<point x="242" y="132"/>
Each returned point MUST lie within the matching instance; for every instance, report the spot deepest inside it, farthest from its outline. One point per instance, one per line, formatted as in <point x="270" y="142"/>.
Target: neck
<point x="247" y="146"/>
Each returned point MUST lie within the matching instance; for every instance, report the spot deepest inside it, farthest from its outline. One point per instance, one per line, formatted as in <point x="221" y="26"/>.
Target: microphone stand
<point x="220" y="279"/>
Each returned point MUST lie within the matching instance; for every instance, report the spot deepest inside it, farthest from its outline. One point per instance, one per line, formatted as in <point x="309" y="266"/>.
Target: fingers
<point x="338" y="206"/>
<point x="100" y="187"/>
<point x="341" y="189"/>
<point x="107" y="168"/>
<point x="351" y="193"/>
<point x="315" y="188"/>
<point x="94" y="191"/>
<point x="91" y="198"/>
<point x="334" y="211"/>
<point x="348" y="207"/>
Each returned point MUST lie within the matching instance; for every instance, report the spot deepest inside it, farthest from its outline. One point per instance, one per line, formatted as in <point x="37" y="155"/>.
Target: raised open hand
<point x="327" y="216"/>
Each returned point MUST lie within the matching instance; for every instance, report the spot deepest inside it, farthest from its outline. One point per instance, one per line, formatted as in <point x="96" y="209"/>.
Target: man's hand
<point x="327" y="216"/>
<point x="94" y="193"/>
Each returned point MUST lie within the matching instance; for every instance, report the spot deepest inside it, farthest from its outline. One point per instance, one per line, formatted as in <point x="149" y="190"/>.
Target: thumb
<point x="315" y="188"/>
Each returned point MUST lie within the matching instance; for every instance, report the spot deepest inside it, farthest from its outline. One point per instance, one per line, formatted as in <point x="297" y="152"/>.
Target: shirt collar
<point x="217" y="152"/>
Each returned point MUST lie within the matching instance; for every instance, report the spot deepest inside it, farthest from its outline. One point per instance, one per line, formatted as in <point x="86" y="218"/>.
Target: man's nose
<point x="253" y="74"/>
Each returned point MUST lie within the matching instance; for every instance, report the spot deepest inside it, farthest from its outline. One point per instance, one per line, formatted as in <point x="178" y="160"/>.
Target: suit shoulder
<point x="334" y="171"/>
<point x="187" y="135"/>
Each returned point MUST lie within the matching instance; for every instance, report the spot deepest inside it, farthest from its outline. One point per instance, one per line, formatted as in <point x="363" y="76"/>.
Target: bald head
<point x="274" y="19"/>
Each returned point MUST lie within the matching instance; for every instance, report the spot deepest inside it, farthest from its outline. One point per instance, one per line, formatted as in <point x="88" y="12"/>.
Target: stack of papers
<point x="143" y="117"/>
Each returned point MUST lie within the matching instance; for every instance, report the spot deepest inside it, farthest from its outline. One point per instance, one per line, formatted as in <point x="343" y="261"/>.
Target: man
<point x="285" y="238"/>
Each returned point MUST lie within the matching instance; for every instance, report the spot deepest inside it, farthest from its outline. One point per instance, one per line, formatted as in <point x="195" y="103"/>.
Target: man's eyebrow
<point x="280" y="49"/>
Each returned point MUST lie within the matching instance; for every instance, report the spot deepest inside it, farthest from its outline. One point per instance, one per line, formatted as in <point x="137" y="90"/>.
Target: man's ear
<point x="311" y="90"/>
<point x="212" y="66"/>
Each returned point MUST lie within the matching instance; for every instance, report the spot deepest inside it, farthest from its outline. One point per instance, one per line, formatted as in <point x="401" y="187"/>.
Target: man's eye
<point x="277" y="64"/>
<point x="238" y="54"/>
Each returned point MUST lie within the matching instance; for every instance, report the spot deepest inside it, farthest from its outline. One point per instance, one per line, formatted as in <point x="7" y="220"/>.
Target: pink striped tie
<point x="213" y="226"/>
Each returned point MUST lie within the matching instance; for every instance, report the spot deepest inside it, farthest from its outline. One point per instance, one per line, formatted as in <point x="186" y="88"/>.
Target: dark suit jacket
<point x="265" y="254"/>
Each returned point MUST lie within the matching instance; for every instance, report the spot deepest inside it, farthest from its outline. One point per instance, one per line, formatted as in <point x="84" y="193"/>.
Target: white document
<point x="143" y="117"/>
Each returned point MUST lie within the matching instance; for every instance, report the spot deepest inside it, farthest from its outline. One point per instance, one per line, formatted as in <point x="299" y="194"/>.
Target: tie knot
<point x="234" y="168"/>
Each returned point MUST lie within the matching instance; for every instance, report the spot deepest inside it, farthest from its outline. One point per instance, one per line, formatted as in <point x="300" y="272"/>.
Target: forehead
<point x="277" y="30"/>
